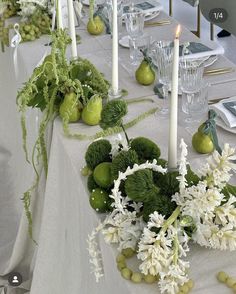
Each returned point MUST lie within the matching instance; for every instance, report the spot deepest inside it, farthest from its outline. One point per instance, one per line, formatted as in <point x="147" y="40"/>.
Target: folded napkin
<point x="199" y="50"/>
<point x="226" y="109"/>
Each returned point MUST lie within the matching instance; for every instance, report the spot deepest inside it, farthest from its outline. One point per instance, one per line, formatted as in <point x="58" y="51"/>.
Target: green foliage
<point x="91" y="184"/>
<point x="162" y="162"/>
<point x="140" y="186"/>
<point x="146" y="149"/>
<point x="112" y="113"/>
<point x="191" y="177"/>
<point x="167" y="183"/>
<point x="122" y="161"/>
<point x="98" y="152"/>
<point x="160" y="203"/>
<point x="229" y="190"/>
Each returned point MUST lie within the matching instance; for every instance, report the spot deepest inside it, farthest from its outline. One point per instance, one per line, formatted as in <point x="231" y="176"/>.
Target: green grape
<point x="149" y="279"/>
<point x="32" y="38"/>
<point x="136" y="277"/>
<point x="128" y="252"/>
<point x="184" y="288"/>
<point x="230" y="282"/>
<point x="190" y="284"/>
<point x="120" y="258"/>
<point x="27" y="28"/>
<point x="121" y="265"/>
<point x="126" y="273"/>
<point x="32" y="33"/>
<point x="27" y="37"/>
<point x="222" y="277"/>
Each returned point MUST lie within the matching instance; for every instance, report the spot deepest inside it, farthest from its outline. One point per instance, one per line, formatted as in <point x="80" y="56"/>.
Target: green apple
<point x="102" y="175"/>
<point x="91" y="113"/>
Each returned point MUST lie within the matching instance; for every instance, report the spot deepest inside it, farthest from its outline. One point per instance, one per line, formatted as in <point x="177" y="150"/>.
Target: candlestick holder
<point x="173" y="169"/>
<point x="114" y="94"/>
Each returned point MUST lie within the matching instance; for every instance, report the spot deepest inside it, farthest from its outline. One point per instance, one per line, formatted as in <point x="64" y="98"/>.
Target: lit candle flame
<point x="177" y="32"/>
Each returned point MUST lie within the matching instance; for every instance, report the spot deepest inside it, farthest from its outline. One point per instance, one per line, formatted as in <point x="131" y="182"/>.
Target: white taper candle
<point x="115" y="85"/>
<point x="59" y="15"/>
<point x="173" y="121"/>
<point x="71" y="24"/>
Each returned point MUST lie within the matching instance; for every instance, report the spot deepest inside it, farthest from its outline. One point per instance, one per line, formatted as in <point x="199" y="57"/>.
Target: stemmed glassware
<point x="193" y="88"/>
<point x="162" y="54"/>
<point x="134" y="21"/>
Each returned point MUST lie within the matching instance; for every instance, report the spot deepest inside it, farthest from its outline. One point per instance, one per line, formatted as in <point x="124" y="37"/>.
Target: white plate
<point x="124" y="41"/>
<point x="220" y="123"/>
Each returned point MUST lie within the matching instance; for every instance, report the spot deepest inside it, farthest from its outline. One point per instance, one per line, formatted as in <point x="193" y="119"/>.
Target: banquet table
<point x="63" y="218"/>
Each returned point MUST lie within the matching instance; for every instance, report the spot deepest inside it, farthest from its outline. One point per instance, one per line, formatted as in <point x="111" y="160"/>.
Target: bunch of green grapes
<point x="42" y="20"/>
<point x="29" y="32"/>
<point x="10" y="11"/>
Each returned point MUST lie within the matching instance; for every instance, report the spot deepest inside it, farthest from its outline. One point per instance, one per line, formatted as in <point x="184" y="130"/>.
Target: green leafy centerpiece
<point x="154" y="213"/>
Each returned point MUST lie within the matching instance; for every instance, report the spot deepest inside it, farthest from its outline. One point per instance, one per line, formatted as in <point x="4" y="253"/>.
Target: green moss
<point x="140" y="186"/>
<point x="161" y="204"/>
<point x="146" y="149"/>
<point x="122" y="161"/>
<point x="167" y="183"/>
<point x="91" y="184"/>
<point x="97" y="152"/>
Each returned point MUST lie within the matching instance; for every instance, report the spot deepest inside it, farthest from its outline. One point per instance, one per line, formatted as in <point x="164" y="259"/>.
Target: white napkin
<point x="228" y="118"/>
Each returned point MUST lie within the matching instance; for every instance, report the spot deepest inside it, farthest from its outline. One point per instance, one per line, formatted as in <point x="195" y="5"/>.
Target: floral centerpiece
<point x="155" y="213"/>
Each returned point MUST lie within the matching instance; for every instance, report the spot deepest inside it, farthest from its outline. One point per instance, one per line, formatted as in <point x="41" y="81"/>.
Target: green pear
<point x="70" y="107"/>
<point x="91" y="113"/>
<point x="201" y="142"/>
<point x="95" y="26"/>
<point x="145" y="74"/>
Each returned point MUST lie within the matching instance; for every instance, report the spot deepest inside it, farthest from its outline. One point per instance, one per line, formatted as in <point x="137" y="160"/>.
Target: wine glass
<point x="162" y="54"/>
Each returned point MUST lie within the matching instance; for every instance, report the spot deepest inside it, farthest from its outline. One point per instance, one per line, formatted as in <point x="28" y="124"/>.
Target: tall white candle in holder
<point x="59" y="14"/>
<point x="71" y="24"/>
<point x="115" y="84"/>
<point x="173" y="121"/>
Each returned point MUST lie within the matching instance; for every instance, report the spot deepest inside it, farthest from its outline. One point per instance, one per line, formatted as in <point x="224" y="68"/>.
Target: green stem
<point x="126" y="136"/>
<point x="176" y="245"/>
<point x="110" y="131"/>
<point x="91" y="10"/>
<point x="170" y="220"/>
<point x="139" y="100"/>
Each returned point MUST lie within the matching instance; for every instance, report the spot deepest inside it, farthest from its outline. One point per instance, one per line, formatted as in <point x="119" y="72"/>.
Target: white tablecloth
<point x="63" y="217"/>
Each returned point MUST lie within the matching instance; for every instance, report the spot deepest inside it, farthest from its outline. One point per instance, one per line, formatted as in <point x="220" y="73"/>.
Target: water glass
<point x="136" y="46"/>
<point x="134" y="21"/>
<point x="109" y="12"/>
<point x="195" y="104"/>
<point x="191" y="74"/>
<point x="162" y="55"/>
